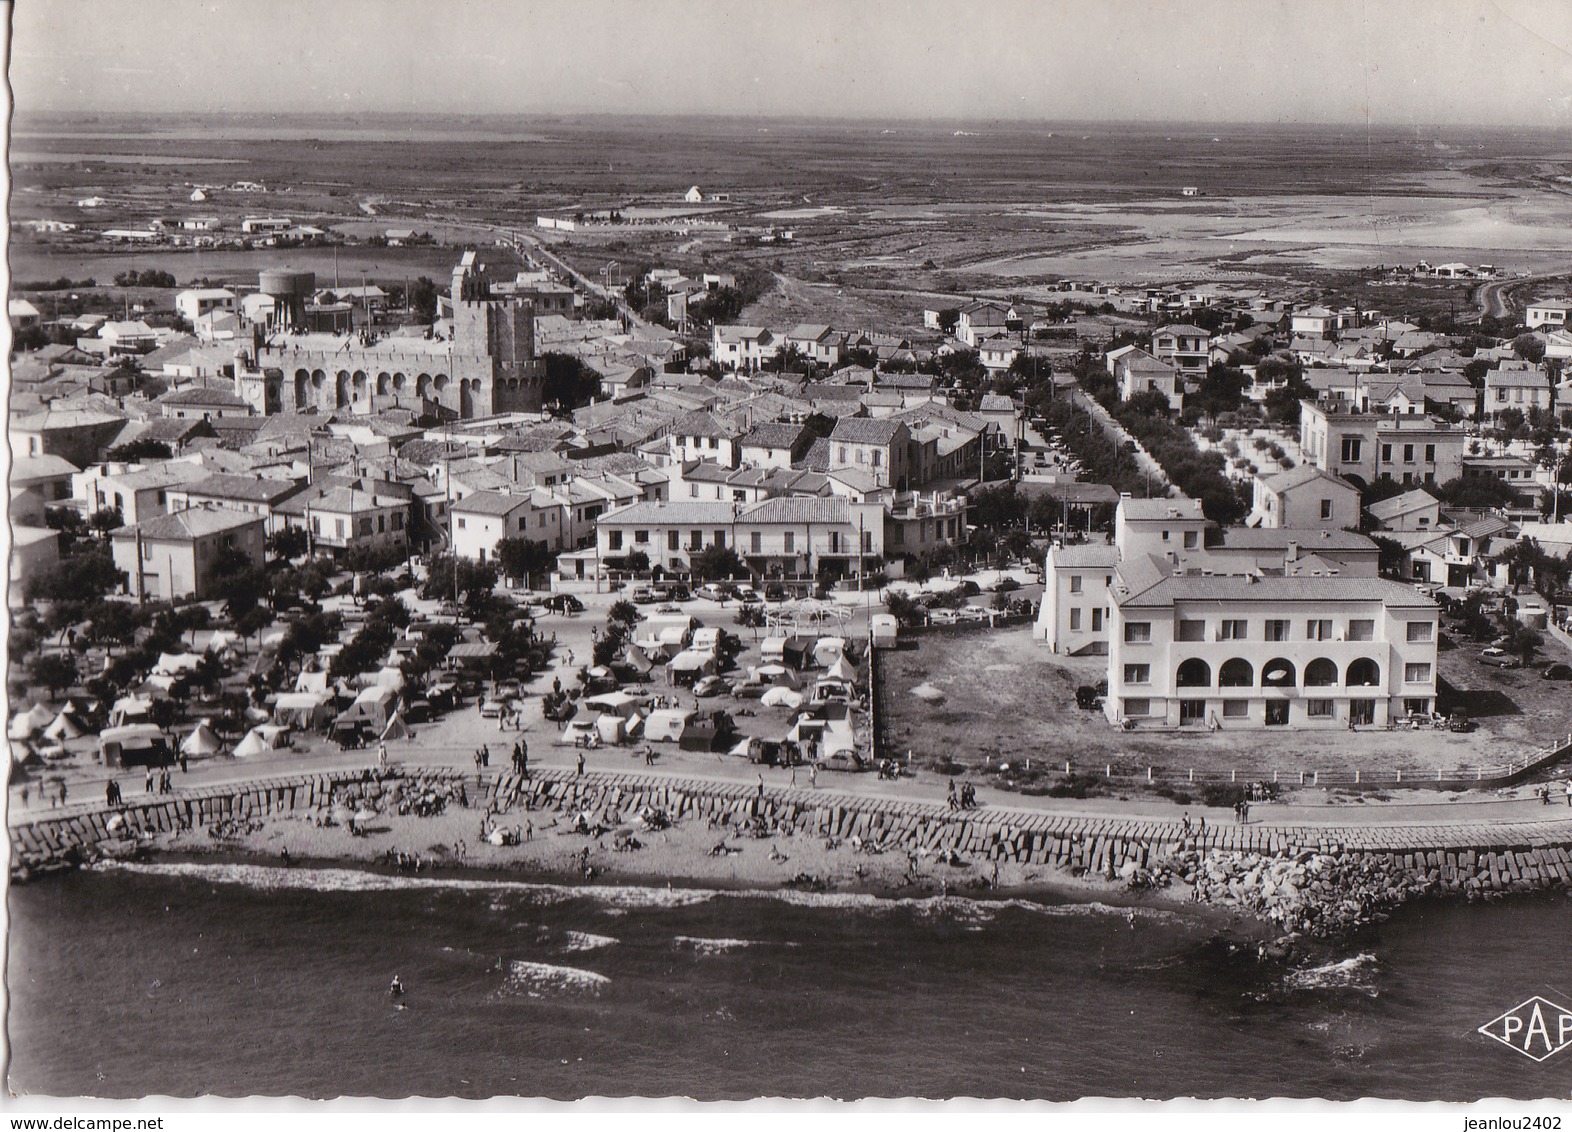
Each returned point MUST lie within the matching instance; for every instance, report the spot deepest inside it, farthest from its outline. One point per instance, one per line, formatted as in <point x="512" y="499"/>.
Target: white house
<point x="194" y="303"/>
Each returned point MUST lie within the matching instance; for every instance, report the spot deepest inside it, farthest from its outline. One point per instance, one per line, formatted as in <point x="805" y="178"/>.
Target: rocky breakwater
<point x="1329" y="894"/>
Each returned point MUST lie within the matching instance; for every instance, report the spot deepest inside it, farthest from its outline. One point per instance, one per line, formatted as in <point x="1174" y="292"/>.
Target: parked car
<point x="711" y="686"/>
<point x="943" y="617"/>
<point x="715" y="591"/>
<point x="971" y="613"/>
<point x="564" y="603"/>
<point x="1557" y="672"/>
<point x="1460" y="722"/>
<point x="1500" y="658"/>
<point x="644" y="595"/>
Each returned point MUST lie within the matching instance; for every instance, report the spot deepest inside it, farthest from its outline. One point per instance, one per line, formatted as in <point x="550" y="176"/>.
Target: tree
<point x="1529" y="347"/>
<point x="113" y="622"/>
<point x="568" y="382"/>
<point x="54" y="671"/>
<point x="423" y="300"/>
<point x="136" y="451"/>
<point x="288" y="542"/>
<point x="1525" y="642"/>
<point x="237" y="581"/>
<point x="1221" y="390"/>
<point x="106" y="520"/>
<point x="1482" y="492"/>
<point x="84" y="576"/>
<point x="623" y="611"/>
<point x="1392" y="556"/>
<point x="716" y="562"/>
<point x="521" y="557"/>
<point x="476" y="581"/>
<point x="252" y="621"/>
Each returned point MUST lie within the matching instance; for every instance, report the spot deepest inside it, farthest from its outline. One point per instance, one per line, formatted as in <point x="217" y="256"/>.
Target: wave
<point x="616" y="899"/>
<point x="587" y="941"/>
<point x="1356" y="973"/>
<point x="713" y="946"/>
<point x="536" y="980"/>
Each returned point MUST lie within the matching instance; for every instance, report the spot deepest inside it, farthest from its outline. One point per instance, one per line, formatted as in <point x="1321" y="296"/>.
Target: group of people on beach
<point x="1547" y="791"/>
<point x="963" y="799"/>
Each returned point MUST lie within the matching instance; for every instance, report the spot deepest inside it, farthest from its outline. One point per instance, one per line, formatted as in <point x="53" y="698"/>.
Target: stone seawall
<point x="1317" y="878"/>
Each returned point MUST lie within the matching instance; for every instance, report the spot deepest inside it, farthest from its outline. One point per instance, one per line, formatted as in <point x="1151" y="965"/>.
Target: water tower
<point x="290" y="291"/>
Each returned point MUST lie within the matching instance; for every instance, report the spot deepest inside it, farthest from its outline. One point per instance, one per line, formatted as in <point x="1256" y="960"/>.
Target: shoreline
<point x="561" y="829"/>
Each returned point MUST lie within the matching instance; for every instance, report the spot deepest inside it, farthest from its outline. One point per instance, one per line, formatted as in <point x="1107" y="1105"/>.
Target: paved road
<point x="1493" y="297"/>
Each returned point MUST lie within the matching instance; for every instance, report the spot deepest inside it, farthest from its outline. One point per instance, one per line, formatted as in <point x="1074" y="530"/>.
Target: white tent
<point x="65" y="726"/>
<point x="302" y="709"/>
<point x="312" y="682"/>
<point x="130" y="709"/>
<point x="828" y="650"/>
<point x="396" y="729"/>
<point x="612" y="728"/>
<point x="693" y="660"/>
<point x="842" y="669"/>
<point x="222" y="640"/>
<point x="250" y="745"/>
<point x="202" y="741"/>
<point x="390" y="678"/>
<point x="26" y="724"/>
<point x="619" y="703"/>
<point x="776" y="674"/>
<point x="782" y="697"/>
<point x="172" y="664"/>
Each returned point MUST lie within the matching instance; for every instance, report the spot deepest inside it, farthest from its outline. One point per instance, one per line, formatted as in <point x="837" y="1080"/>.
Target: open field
<point x="884" y="215"/>
<point x="1006" y="697"/>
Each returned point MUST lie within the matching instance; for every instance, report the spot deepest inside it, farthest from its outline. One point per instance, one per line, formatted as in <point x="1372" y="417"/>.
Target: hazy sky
<point x="1390" y="62"/>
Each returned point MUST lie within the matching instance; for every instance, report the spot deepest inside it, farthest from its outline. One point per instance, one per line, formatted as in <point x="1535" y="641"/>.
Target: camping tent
<point x="828" y="650"/>
<point x="782" y="697"/>
<point x="65" y="726"/>
<point x="619" y="703"/>
<point x="129" y="710"/>
<point x="303" y="710"/>
<point x="842" y="669"/>
<point x="612" y="728"/>
<point x="202" y="741"/>
<point x="776" y="674"/>
<point x="312" y="682"/>
<point x="250" y="745"/>
<point x="173" y="664"/>
<point x="222" y="641"/>
<point x="391" y="678"/>
<point x="31" y="722"/>
<point x="637" y="659"/>
<point x="692" y="663"/>
<point x="372" y="708"/>
<point x="396" y="729"/>
<point x="135" y="744"/>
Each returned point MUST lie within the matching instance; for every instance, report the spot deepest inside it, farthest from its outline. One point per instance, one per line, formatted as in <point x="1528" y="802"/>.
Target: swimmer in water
<point x="397" y="987"/>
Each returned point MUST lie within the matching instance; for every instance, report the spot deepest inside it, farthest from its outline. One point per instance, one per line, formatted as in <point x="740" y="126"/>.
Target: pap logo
<point x="1538" y="1029"/>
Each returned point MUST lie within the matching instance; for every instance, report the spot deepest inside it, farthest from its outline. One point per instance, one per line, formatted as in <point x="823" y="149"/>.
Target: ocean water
<point x="233" y="980"/>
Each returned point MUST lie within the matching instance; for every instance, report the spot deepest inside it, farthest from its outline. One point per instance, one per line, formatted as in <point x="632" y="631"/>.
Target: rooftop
<point x="194" y="522"/>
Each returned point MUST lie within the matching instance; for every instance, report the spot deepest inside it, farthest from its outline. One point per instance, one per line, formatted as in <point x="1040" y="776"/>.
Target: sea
<point x="198" y="978"/>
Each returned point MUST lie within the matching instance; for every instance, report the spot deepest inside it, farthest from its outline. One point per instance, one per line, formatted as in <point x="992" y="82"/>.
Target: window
<point x="1361" y="630"/>
<point x="1191" y="539"/>
<point x="641" y="536"/>
<point x="720" y="539"/>
<point x="1192" y="630"/>
<point x="398" y="520"/>
<point x="789" y="542"/>
<point x="614" y="542"/>
<point x="756" y="542"/>
<point x="1138" y="674"/>
<point x="1277" y="630"/>
<point x="382" y="525"/>
<point x="1236" y="709"/>
<point x="1386" y="453"/>
<point x="1416" y="706"/>
<point x="1097" y="620"/>
<point x="1075" y="583"/>
<point x="1318" y="630"/>
<point x="1233" y="630"/>
<point x="843" y="453"/>
<point x="673" y="540"/>
<point x="1165" y="536"/>
<point x="867" y="542"/>
<point x="695" y="540"/>
<point x="523" y="522"/>
<point x="1075" y="620"/>
<point x="1319" y="709"/>
<point x="1137" y="632"/>
<point x="1408" y="453"/>
<point x="1351" y="449"/>
<point x="147" y="551"/>
<point x="1137" y="707"/>
<point x="162" y="498"/>
<point x="1421" y="631"/>
<point x="338" y="527"/>
<point x="693" y="491"/>
<point x="878" y="458"/>
<point x="1326" y="508"/>
<point x="1430" y="453"/>
<point x="1416" y="673"/>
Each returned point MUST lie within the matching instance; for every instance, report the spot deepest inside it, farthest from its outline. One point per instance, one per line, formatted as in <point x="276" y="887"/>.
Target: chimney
<point x="1293" y="550"/>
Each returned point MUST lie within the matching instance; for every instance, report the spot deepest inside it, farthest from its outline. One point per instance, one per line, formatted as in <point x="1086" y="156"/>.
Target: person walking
<point x="24" y="795"/>
<point x="1569" y="792"/>
<point x="581" y="764"/>
<point x="813" y="775"/>
<point x="382" y="758"/>
<point x="761" y="786"/>
<point x="147" y="785"/>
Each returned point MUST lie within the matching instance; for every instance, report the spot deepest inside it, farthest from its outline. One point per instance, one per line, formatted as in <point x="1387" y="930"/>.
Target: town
<point x="1230" y="510"/>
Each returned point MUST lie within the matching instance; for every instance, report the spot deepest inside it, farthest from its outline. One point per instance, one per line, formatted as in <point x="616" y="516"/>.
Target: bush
<point x="1222" y="794"/>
